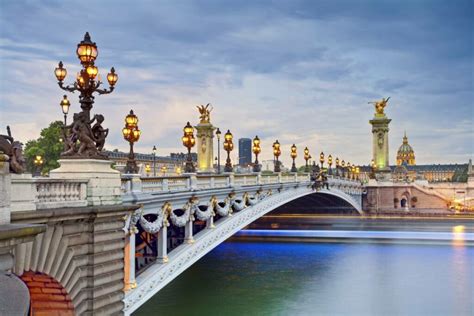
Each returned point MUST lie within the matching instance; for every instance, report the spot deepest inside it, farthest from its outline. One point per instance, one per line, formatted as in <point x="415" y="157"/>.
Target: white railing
<point x="138" y="184"/>
<point x="245" y="179"/>
<point x="34" y="193"/>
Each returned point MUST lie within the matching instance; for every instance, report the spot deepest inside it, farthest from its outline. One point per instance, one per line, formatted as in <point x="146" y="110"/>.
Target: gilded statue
<point x="205" y="112"/>
<point x="380" y="105"/>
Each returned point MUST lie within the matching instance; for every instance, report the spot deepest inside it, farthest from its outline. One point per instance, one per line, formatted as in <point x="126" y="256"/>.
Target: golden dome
<point x="405" y="154"/>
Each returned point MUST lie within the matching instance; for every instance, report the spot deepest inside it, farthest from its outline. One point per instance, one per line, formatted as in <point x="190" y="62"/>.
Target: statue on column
<point x="380" y="105"/>
<point x="205" y="113"/>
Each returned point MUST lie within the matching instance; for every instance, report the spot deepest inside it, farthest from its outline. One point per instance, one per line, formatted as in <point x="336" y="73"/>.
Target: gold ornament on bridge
<point x="205" y="112"/>
<point x="380" y="105"/>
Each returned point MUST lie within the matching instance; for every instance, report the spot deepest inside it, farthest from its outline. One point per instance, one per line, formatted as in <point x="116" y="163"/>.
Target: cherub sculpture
<point x="380" y="105"/>
<point x="205" y="112"/>
<point x="13" y="149"/>
<point x="99" y="132"/>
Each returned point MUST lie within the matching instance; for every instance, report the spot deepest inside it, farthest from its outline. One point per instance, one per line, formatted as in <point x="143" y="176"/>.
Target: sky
<point x="301" y="72"/>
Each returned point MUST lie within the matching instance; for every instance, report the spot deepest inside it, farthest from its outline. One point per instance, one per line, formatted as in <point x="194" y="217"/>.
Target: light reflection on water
<point x="240" y="278"/>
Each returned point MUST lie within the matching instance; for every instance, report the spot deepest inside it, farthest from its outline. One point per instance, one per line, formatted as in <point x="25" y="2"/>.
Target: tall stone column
<point x="380" y="130"/>
<point x="205" y="147"/>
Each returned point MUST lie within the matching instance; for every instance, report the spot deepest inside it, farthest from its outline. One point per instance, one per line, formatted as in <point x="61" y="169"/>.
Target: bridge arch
<point x="158" y="275"/>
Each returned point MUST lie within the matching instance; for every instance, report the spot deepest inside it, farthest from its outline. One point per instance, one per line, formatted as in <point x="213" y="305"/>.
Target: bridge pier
<point x="188" y="232"/>
<point x="129" y="269"/>
<point x="162" y="245"/>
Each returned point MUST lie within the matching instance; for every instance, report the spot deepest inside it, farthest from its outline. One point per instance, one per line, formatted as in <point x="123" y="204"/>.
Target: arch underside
<point x="321" y="202"/>
<point x="159" y="275"/>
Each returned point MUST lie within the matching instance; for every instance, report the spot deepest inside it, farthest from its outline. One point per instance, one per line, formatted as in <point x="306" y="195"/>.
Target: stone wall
<point x="82" y="249"/>
<point x="389" y="198"/>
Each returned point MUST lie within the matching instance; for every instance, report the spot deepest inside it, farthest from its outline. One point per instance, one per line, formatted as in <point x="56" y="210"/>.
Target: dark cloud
<point x="300" y="71"/>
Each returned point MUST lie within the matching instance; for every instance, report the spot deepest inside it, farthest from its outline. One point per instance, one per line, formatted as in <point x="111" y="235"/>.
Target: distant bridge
<point x="209" y="209"/>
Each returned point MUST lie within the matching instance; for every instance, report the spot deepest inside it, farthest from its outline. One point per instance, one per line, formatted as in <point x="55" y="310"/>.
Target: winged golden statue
<point x="380" y="105"/>
<point x="205" y="112"/>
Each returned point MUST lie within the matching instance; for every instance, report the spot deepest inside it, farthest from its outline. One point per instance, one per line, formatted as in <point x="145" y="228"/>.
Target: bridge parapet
<point x="32" y="193"/>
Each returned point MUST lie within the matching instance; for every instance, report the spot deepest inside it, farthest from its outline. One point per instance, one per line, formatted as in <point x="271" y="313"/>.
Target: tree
<point x="49" y="145"/>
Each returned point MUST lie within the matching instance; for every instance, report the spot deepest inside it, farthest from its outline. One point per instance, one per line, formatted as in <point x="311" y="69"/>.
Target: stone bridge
<point x="203" y="211"/>
<point x="89" y="242"/>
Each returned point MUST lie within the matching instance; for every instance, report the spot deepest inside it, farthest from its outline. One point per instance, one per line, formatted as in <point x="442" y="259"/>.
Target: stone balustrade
<point x="138" y="184"/>
<point x="32" y="193"/>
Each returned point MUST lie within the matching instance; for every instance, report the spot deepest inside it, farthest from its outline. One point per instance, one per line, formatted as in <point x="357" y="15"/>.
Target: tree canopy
<point x="49" y="145"/>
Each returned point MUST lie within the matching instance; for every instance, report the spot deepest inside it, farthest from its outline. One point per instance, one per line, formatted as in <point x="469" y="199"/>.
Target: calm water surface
<point x="260" y="278"/>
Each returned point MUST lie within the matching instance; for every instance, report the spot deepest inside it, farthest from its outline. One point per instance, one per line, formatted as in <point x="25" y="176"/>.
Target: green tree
<point x="49" y="145"/>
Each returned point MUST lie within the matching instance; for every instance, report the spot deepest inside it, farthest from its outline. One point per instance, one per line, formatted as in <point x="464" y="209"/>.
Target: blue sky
<point x="299" y="71"/>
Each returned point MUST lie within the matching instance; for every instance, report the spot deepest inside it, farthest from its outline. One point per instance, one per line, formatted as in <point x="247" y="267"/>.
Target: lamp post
<point x="357" y="172"/>
<point x="343" y="167"/>
<point x="154" y="160"/>
<point x="293" y="155"/>
<point x="353" y="172"/>
<point x="256" y="150"/>
<point x="321" y="159"/>
<point x="65" y="104"/>
<point x="276" y="154"/>
<point x="38" y="161"/>
<point x="188" y="142"/>
<point x="131" y="133"/>
<point x="147" y="169"/>
<point x="337" y="166"/>
<point x="228" y="146"/>
<point x="330" y="164"/>
<point x="87" y="85"/>
<point x="307" y="156"/>
<point x="218" y="134"/>
<point x="348" y="174"/>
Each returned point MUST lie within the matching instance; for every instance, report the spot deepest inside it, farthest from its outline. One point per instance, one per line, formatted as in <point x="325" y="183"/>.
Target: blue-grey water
<point x="263" y="278"/>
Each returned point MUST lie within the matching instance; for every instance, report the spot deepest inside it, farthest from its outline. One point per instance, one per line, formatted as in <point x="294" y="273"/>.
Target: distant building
<point x="159" y="165"/>
<point x="245" y="151"/>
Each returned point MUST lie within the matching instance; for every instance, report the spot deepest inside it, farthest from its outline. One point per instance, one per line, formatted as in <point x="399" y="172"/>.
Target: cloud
<point x="299" y="71"/>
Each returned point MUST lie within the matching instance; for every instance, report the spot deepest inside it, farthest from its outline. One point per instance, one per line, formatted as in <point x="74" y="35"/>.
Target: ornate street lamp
<point x="188" y="142"/>
<point x="293" y="155"/>
<point x="307" y="156"/>
<point x="321" y="159"/>
<point x="147" y="169"/>
<point x="65" y="104"/>
<point x="131" y="133"/>
<point x="85" y="140"/>
<point x="276" y="154"/>
<point x="349" y="169"/>
<point x="218" y="134"/>
<point x="337" y="166"/>
<point x="357" y="171"/>
<point x="330" y="164"/>
<point x="228" y="146"/>
<point x="38" y="162"/>
<point x="343" y="168"/>
<point x="154" y="160"/>
<point x="353" y="172"/>
<point x="178" y="170"/>
<point x="256" y="150"/>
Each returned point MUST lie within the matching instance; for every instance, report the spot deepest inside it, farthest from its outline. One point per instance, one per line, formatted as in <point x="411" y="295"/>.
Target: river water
<point x="324" y="278"/>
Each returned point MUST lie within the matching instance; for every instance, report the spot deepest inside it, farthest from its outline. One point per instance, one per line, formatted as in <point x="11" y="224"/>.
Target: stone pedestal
<point x="104" y="182"/>
<point x="205" y="147"/>
<point x="5" y="187"/>
<point x="380" y="146"/>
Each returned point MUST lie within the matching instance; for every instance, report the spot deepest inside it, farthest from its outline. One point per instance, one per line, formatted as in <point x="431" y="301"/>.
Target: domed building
<point x="405" y="154"/>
